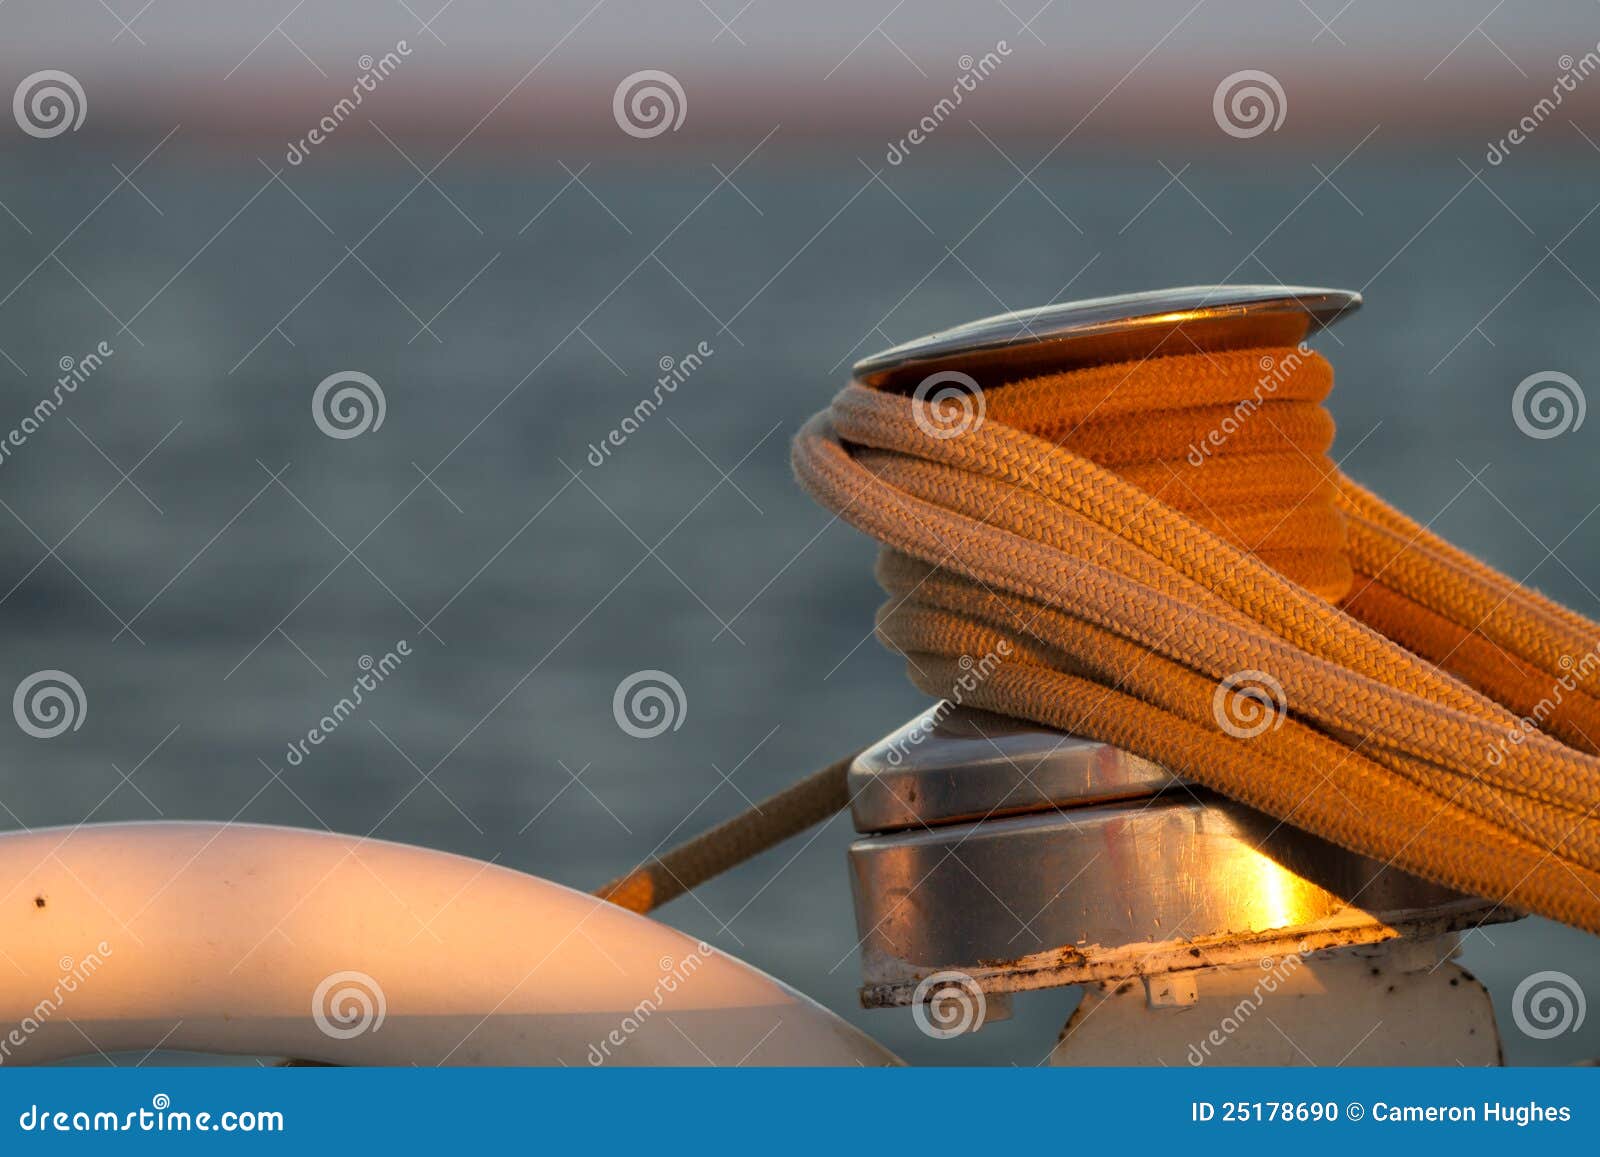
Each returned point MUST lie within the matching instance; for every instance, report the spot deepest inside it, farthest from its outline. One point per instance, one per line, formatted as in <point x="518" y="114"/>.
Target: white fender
<point x="267" y="941"/>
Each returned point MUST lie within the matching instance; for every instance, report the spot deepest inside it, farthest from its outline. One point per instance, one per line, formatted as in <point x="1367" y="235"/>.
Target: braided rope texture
<point x="1169" y="562"/>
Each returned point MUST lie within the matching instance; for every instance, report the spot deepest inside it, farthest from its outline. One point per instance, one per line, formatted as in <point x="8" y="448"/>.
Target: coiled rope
<point x="1170" y="563"/>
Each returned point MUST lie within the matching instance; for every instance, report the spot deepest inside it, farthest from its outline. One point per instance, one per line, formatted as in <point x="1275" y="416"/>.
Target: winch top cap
<point x="1122" y="327"/>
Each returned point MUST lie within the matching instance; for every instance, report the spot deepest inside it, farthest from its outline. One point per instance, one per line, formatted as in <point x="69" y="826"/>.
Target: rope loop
<point x="1164" y="558"/>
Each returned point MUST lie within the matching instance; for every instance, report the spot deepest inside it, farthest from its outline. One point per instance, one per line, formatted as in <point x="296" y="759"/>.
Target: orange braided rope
<point x="1144" y="535"/>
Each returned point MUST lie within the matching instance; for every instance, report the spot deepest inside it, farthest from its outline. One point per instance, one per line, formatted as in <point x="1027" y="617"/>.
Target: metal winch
<point x="999" y="856"/>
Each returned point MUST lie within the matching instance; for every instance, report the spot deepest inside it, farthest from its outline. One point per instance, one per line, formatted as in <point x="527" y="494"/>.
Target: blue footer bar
<point x="778" y="1110"/>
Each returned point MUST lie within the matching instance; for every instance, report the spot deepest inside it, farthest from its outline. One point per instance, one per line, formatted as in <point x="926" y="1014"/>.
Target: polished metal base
<point x="1025" y="859"/>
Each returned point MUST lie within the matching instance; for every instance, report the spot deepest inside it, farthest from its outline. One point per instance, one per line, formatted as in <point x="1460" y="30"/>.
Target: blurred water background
<point x="183" y="538"/>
